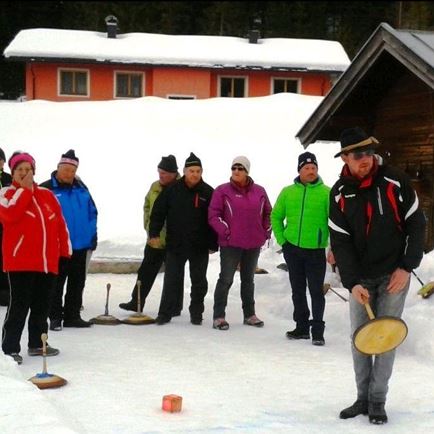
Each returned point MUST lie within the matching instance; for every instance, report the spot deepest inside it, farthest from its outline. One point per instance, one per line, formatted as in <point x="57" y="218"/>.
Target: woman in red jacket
<point x="34" y="237"/>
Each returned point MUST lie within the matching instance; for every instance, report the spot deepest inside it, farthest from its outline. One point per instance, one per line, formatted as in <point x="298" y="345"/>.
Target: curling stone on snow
<point x="44" y="380"/>
<point x="106" y="319"/>
<point x="139" y="318"/>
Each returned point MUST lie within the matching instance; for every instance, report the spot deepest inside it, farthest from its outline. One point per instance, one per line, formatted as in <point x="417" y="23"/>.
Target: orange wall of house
<point x="181" y="81"/>
<point x="41" y="81"/>
<point x="259" y="82"/>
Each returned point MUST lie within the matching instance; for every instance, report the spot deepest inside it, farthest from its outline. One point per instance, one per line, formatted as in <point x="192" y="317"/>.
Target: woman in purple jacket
<point x="239" y="212"/>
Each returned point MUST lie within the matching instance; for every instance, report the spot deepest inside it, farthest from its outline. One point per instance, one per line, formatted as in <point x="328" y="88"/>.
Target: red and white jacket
<point x="35" y="234"/>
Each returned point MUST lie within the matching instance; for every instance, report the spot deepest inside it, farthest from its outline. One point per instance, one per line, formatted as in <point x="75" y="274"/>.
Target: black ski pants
<point x="174" y="280"/>
<point x="73" y="271"/>
<point x="153" y="259"/>
<point x="306" y="266"/>
<point x="29" y="291"/>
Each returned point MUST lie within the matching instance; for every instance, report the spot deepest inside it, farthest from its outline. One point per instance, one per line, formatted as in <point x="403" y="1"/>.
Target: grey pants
<point x="373" y="372"/>
<point x="230" y="257"/>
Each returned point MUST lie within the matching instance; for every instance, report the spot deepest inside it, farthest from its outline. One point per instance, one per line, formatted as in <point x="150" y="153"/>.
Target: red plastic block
<point x="172" y="403"/>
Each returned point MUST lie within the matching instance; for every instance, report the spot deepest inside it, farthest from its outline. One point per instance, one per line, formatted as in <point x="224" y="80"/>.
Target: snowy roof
<point x="192" y="51"/>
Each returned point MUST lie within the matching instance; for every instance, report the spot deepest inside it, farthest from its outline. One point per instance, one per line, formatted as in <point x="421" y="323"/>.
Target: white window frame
<point x="176" y="96"/>
<point x="246" y="84"/>
<point x="59" y="75"/>
<point x="298" y="80"/>
<point x="128" y="72"/>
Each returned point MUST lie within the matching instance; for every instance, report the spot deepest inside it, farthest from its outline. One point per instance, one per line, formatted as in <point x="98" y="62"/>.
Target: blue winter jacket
<point x="79" y="211"/>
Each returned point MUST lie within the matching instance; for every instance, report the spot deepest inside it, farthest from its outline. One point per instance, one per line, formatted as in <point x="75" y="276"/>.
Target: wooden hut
<point x="388" y="90"/>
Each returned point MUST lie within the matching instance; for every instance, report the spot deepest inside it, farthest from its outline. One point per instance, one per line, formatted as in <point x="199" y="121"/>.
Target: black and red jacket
<point x="376" y="224"/>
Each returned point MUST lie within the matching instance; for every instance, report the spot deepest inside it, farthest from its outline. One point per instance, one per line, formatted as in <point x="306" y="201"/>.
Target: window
<point x="128" y="85"/>
<point x="181" y="97"/>
<point x="285" y="85"/>
<point x="73" y="82"/>
<point x="233" y="87"/>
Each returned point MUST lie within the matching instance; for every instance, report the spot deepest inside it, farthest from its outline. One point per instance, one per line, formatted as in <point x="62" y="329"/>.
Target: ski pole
<point x="339" y="295"/>
<point x="417" y="277"/>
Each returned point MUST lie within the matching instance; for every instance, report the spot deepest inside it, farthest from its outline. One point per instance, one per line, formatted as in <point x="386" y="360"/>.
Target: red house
<point x="71" y="65"/>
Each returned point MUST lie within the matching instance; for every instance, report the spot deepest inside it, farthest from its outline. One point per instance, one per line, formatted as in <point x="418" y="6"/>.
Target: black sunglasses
<point x="360" y="154"/>
<point x="240" y="168"/>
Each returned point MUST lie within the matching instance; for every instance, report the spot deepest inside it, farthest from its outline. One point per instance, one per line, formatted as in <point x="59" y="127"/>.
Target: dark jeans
<point x="29" y="290"/>
<point x="73" y="269"/>
<point x="306" y="266"/>
<point x="174" y="280"/>
<point x="230" y="257"/>
<point x="153" y="259"/>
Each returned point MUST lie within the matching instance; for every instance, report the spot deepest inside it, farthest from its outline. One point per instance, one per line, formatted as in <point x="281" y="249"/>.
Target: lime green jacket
<point x="151" y="197"/>
<point x="300" y="215"/>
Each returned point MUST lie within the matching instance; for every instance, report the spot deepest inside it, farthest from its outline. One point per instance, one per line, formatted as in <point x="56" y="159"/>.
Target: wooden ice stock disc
<point x="47" y="381"/>
<point x="380" y="335"/>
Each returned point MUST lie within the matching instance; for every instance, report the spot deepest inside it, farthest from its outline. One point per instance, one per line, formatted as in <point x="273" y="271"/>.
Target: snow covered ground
<point x="244" y="380"/>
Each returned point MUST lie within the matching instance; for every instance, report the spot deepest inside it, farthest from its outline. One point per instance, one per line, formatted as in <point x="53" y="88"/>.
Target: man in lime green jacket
<point x="154" y="257"/>
<point x="300" y="224"/>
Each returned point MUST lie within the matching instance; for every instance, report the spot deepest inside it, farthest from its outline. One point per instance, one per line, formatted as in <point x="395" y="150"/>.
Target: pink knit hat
<point x="18" y="157"/>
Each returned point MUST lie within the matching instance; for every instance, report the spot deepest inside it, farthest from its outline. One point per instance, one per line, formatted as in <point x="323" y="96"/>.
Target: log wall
<point x="404" y="120"/>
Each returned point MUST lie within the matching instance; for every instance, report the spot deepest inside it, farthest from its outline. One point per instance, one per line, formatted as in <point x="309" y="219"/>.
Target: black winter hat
<point x="69" y="158"/>
<point x="306" y="158"/>
<point x="168" y="164"/>
<point x="192" y="160"/>
<point x="2" y="155"/>
<point x="355" y="138"/>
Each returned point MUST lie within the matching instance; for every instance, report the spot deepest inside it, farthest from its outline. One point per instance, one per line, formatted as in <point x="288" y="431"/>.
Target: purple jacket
<point x="240" y="216"/>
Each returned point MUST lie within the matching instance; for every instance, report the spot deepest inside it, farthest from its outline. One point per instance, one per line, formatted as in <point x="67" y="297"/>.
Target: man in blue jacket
<point x="80" y="214"/>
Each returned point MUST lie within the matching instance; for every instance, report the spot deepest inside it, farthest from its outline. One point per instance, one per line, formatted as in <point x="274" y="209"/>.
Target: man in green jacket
<point x="154" y="257"/>
<point x="300" y="224"/>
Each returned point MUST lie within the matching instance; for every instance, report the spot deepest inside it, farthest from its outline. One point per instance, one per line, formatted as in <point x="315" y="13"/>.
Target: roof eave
<point x="381" y="40"/>
<point x="174" y="65"/>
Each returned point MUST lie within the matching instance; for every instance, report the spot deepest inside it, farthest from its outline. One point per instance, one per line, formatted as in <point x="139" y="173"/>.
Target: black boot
<point x="359" y="407"/>
<point x="377" y="413"/>
<point x="298" y="334"/>
<point x="129" y="306"/>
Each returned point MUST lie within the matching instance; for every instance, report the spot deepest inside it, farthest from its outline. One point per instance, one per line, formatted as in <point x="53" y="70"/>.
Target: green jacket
<point x="151" y="197"/>
<point x="300" y="215"/>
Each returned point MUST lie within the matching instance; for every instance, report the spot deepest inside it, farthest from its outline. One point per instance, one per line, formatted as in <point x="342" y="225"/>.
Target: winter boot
<point x="253" y="321"/>
<point x="196" y="320"/>
<point x="220" y="324"/>
<point x="161" y="320"/>
<point x="129" y="306"/>
<point x="77" y="323"/>
<point x="50" y="351"/>
<point x="377" y="413"/>
<point x="298" y="334"/>
<point x="359" y="407"/>
<point x="17" y="358"/>
<point x="318" y="339"/>
<point x="56" y="325"/>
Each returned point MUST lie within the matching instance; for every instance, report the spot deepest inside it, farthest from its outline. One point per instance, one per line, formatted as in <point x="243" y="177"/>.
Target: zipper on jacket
<point x="196" y="200"/>
<point x="44" y="236"/>
<point x="301" y="216"/>
<point x="380" y="205"/>
<point x="229" y="206"/>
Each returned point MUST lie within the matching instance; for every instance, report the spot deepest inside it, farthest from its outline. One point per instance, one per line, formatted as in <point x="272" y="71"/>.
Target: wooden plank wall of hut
<point x="404" y="121"/>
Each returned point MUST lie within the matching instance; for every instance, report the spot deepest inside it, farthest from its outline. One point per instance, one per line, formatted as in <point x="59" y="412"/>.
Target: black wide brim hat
<point x="354" y="139"/>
